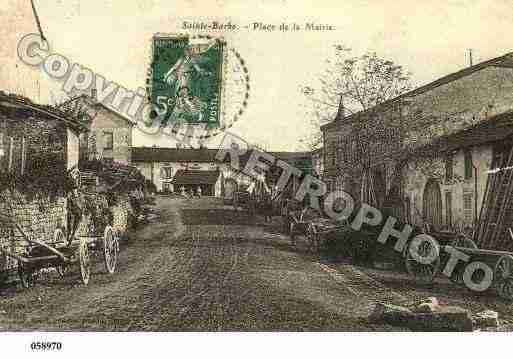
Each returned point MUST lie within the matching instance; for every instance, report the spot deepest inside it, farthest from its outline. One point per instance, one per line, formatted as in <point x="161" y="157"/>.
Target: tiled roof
<point x="78" y="102"/>
<point x="161" y="154"/>
<point x="291" y="156"/>
<point x="195" y="177"/>
<point x="501" y="61"/>
<point x="45" y="111"/>
<point x="498" y="128"/>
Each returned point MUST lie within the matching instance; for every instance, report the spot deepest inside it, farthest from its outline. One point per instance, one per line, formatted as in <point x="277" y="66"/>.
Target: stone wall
<point x="417" y="175"/>
<point x="121" y="212"/>
<point x="38" y="219"/>
<point x="44" y="141"/>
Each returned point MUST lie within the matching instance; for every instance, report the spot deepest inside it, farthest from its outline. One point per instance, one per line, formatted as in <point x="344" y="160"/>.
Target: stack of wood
<point x="114" y="176"/>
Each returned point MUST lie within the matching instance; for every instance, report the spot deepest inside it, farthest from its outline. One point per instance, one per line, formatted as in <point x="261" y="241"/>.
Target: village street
<point x="204" y="266"/>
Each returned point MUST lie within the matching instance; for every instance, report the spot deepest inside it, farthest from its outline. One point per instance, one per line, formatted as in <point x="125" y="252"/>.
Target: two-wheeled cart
<point x="33" y="252"/>
<point x="500" y="261"/>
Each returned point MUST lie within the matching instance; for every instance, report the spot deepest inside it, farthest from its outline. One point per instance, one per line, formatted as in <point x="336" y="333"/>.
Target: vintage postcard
<point x="170" y="169"/>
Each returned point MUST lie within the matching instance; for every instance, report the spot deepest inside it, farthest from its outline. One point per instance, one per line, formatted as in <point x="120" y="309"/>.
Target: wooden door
<point x="432" y="204"/>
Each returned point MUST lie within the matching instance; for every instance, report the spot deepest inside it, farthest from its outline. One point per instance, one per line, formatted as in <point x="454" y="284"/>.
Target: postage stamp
<point x="187" y="79"/>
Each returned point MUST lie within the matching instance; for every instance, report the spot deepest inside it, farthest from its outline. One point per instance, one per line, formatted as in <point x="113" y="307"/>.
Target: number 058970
<point x="40" y="346"/>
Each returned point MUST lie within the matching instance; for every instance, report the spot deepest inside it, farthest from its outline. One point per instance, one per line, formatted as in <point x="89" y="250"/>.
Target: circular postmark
<point x="198" y="85"/>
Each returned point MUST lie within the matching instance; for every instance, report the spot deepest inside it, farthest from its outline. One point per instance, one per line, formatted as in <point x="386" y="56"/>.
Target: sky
<point x="429" y="38"/>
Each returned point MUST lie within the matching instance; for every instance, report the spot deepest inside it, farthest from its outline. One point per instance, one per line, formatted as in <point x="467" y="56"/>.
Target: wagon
<point x="316" y="230"/>
<point x="313" y="232"/>
<point x="33" y="252"/>
<point x="244" y="200"/>
<point x="500" y="261"/>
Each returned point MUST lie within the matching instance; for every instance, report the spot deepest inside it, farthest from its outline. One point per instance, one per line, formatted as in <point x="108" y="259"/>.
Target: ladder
<point x="497" y="207"/>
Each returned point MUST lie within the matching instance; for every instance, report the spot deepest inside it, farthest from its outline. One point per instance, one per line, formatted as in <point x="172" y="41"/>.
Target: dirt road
<point x="201" y="266"/>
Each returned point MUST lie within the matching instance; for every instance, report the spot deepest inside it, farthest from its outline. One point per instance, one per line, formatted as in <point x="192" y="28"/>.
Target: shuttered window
<point x="468" y="164"/>
<point x="468" y="213"/>
<point x="108" y="139"/>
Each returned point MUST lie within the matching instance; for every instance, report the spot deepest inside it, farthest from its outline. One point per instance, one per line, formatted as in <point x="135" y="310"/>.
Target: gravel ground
<point x="204" y="267"/>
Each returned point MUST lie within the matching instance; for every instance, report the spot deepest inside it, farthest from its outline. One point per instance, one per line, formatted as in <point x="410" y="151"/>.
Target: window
<point x="468" y="164"/>
<point x="448" y="168"/>
<point x="448" y="209"/>
<point x="468" y="213"/>
<point x="108" y="139"/>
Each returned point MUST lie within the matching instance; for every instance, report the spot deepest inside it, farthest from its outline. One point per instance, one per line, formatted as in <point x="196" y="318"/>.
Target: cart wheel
<point x="110" y="249"/>
<point x="423" y="273"/>
<point x="26" y="274"/>
<point x="505" y="289"/>
<point x="58" y="237"/>
<point x="502" y="276"/>
<point x="85" y="261"/>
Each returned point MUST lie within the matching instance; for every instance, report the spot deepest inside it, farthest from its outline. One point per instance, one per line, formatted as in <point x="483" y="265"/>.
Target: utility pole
<point x="470" y="57"/>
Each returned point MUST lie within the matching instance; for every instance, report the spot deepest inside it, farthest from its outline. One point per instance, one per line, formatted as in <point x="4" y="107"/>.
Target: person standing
<point x="198" y="191"/>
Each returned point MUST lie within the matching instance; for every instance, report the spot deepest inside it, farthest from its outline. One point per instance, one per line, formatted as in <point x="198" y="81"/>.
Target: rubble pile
<point x="430" y="315"/>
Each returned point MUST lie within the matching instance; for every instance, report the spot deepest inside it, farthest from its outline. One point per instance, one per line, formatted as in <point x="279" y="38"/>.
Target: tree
<point x="350" y="84"/>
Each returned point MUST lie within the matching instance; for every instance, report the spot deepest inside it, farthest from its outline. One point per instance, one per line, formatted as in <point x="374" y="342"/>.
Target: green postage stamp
<point x="187" y="79"/>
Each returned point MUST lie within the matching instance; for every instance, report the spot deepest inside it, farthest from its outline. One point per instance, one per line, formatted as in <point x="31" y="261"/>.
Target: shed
<point x="210" y="182"/>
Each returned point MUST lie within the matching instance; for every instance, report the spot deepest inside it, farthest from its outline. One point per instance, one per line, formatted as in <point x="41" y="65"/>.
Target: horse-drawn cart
<point x="32" y="244"/>
<point x="501" y="262"/>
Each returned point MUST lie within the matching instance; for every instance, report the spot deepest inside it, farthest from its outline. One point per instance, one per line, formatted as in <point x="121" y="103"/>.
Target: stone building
<point x="37" y="135"/>
<point x="110" y="135"/>
<point x="38" y="146"/>
<point x="426" y="155"/>
<point x="160" y="165"/>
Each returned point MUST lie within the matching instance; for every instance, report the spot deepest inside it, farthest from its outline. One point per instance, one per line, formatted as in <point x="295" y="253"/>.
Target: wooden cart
<point x="33" y="254"/>
<point x="315" y="231"/>
<point x="500" y="261"/>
